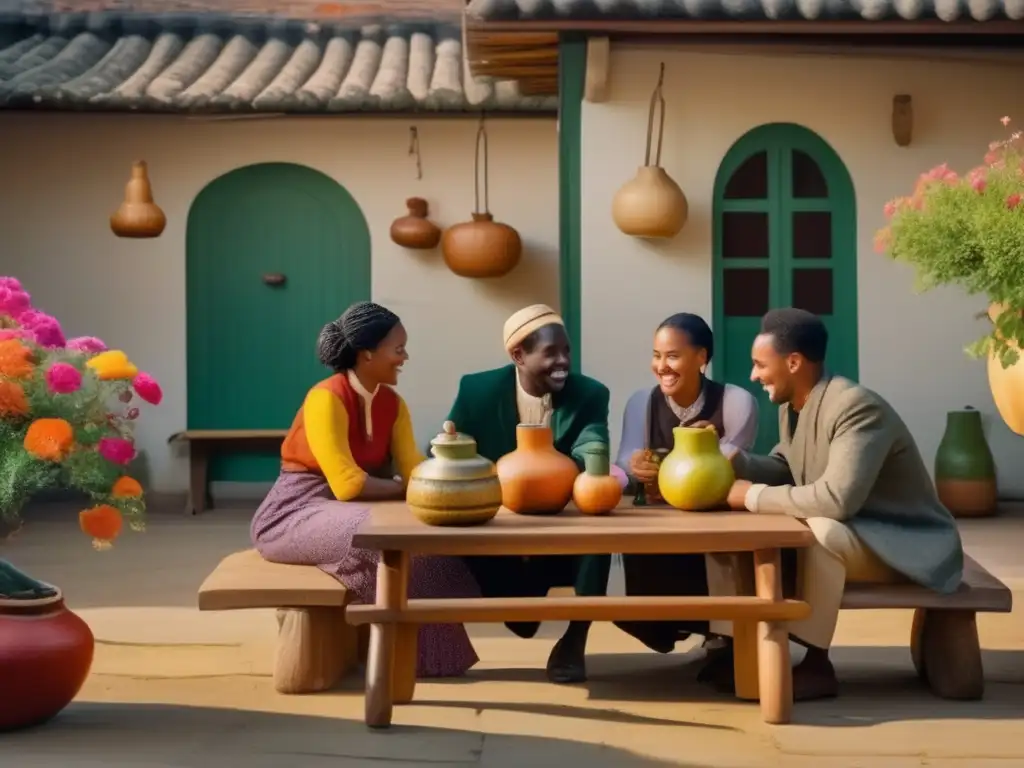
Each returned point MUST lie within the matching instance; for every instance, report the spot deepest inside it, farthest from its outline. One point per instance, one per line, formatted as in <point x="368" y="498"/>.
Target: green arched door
<point x="251" y="344"/>
<point x="785" y="234"/>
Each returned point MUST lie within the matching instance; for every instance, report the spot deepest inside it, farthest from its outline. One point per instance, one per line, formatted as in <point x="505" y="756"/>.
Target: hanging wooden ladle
<point x="651" y="204"/>
<point x="482" y="247"/>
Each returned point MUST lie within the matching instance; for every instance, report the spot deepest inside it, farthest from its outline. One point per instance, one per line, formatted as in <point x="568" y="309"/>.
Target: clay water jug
<point x="695" y="475"/>
<point x="596" y="491"/>
<point x="535" y="478"/>
<point x="415" y="230"/>
<point x="46" y="652"/>
<point x="138" y="215"/>
<point x="965" y="471"/>
<point x="457" y="486"/>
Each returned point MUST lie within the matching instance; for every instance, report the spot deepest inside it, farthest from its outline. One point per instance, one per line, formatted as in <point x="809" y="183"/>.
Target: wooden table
<point x="761" y="640"/>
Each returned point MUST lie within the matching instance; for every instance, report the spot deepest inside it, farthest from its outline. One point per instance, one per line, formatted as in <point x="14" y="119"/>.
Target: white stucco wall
<point x="61" y="176"/>
<point x="910" y="345"/>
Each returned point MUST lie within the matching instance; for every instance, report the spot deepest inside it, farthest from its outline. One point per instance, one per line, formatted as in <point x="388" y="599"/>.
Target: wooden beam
<point x="663" y="27"/>
<point x="595" y="86"/>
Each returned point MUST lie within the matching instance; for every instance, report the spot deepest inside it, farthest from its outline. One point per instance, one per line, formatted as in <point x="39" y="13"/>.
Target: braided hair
<point x="363" y="326"/>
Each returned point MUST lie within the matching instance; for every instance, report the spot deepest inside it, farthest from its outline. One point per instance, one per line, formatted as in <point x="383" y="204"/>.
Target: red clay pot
<point x="45" y="655"/>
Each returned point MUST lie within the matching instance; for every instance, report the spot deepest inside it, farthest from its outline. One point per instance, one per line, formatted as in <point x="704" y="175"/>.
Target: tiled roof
<point x="869" y="10"/>
<point x="206" y="63"/>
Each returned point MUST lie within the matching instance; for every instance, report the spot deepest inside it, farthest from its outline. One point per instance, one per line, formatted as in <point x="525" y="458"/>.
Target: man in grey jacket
<point x="846" y="465"/>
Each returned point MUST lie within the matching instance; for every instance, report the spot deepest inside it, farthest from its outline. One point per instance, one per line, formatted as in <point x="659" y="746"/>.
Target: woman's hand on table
<point x="642" y="468"/>
<point x="737" y="499"/>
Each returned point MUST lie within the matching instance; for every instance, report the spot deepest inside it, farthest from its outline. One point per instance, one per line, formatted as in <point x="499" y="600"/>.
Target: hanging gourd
<point x="415" y="230"/>
<point x="482" y="247"/>
<point x="651" y="204"/>
<point x="138" y="215"/>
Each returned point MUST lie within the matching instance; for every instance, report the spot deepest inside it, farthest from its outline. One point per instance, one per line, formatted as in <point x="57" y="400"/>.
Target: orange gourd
<point x="596" y="491"/>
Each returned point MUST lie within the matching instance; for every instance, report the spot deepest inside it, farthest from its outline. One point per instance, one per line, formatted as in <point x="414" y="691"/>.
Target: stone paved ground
<point x="171" y="687"/>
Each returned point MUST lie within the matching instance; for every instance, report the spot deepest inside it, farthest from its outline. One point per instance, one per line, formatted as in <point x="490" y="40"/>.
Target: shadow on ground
<point x="148" y="735"/>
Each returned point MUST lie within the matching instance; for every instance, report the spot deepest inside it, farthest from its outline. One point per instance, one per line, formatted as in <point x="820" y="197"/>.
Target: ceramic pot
<point x="45" y="655"/>
<point x="695" y="475"/>
<point x="457" y="486"/>
<point x="535" y="478"/>
<point x="415" y="230"/>
<point x="650" y="205"/>
<point x="596" y="491"/>
<point x="965" y="471"/>
<point x="138" y="215"/>
<point x="1007" y="384"/>
<point x="481" y="247"/>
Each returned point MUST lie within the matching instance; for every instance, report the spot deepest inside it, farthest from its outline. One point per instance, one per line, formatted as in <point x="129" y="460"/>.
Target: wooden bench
<point x="944" y="639"/>
<point x="205" y="443"/>
<point x="315" y="647"/>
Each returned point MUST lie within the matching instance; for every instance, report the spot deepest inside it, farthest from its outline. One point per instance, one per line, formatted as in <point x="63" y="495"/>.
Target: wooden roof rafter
<point x="529" y="58"/>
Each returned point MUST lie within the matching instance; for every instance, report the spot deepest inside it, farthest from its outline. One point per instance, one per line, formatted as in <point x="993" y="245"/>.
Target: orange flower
<point x="49" y="439"/>
<point x="15" y="359"/>
<point x="103" y="523"/>
<point x="126" y="488"/>
<point x="12" y="399"/>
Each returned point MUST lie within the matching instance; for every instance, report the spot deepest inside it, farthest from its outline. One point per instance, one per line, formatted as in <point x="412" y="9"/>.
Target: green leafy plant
<point x="969" y="231"/>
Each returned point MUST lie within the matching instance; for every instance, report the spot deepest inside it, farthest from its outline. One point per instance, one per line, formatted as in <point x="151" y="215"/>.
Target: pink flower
<point x="889" y="209"/>
<point x="978" y="184"/>
<point x="63" y="378"/>
<point x="116" y="450"/>
<point x="147" y="388"/>
<point x="88" y="344"/>
<point x="13" y="300"/>
<point x="1005" y="120"/>
<point x="1013" y="201"/>
<point x="43" y="327"/>
<point x="11" y="333"/>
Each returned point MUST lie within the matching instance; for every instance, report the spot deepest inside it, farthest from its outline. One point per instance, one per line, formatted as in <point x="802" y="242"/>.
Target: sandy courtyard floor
<point x="173" y="687"/>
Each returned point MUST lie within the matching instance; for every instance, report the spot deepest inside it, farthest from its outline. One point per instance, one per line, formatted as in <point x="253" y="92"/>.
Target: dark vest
<point x="661" y="420"/>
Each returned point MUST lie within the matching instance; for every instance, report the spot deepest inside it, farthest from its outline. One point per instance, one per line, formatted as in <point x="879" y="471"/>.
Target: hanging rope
<point x="656" y="99"/>
<point x="481" y="136"/>
<point x="414" y="150"/>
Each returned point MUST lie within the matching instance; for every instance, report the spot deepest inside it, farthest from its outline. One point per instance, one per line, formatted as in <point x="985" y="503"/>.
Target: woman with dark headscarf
<point x="352" y="441"/>
<point x="683" y="397"/>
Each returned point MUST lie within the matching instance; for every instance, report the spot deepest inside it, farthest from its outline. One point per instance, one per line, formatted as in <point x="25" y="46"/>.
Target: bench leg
<point x="198" y="482"/>
<point x="403" y="685"/>
<point x="949" y="653"/>
<point x="315" y="647"/>
<point x="775" y="673"/>
<point x="744" y="665"/>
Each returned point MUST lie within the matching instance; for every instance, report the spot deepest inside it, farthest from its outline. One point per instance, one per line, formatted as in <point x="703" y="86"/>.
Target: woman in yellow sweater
<point x="352" y="441"/>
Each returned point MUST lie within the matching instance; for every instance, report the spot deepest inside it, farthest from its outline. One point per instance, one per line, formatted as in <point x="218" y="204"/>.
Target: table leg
<point x="392" y="579"/>
<point x="404" y="682"/>
<point x="775" y="676"/>
<point x="198" y="485"/>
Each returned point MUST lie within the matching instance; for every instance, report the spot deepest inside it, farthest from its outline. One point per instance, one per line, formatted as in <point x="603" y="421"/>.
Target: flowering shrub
<point x="969" y="231"/>
<point x="64" y="418"/>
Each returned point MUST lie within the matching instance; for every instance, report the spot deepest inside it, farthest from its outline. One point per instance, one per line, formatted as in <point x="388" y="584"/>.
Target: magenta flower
<point x="63" y="378"/>
<point x="13" y="300"/>
<point x="147" y="388"/>
<point x="11" y="333"/>
<point x="43" y="327"/>
<point x="88" y="344"/>
<point x="116" y="450"/>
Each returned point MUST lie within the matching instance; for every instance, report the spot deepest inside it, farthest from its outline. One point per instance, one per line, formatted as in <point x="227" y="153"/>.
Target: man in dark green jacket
<point x="538" y="389"/>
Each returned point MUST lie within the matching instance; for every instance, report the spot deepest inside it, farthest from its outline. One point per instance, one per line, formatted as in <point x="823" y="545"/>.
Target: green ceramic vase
<point x="965" y="472"/>
<point x="695" y="476"/>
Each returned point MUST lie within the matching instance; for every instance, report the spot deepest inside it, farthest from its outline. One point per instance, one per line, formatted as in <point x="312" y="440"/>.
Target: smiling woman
<point x="352" y="441"/>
